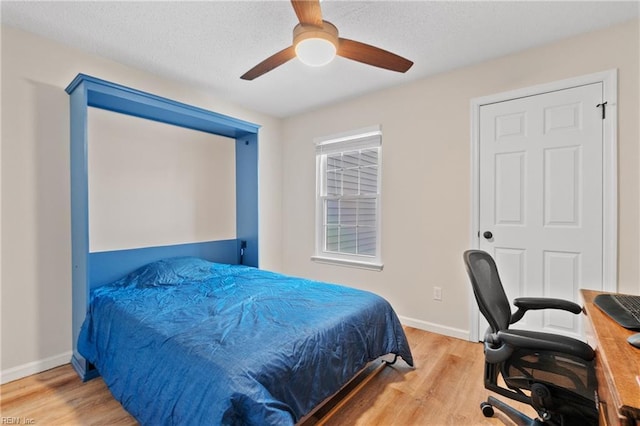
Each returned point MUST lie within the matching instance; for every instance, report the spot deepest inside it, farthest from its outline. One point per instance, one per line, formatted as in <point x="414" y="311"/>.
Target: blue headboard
<point x="90" y="270"/>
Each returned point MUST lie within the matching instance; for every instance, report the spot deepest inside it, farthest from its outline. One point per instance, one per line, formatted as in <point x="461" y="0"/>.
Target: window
<point x="348" y="176"/>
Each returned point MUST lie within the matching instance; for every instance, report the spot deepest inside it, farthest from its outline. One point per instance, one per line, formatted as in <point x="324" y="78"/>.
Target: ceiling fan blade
<point x="372" y="55"/>
<point x="270" y="63"/>
<point x="308" y="12"/>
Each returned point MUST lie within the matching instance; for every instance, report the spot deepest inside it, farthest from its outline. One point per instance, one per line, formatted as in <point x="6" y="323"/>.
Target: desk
<point x="617" y="365"/>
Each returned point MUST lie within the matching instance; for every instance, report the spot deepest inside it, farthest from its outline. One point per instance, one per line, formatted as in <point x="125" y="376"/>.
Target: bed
<point x="184" y="340"/>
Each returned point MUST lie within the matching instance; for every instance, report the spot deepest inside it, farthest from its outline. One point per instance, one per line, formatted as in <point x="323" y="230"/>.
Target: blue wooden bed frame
<point x="90" y="270"/>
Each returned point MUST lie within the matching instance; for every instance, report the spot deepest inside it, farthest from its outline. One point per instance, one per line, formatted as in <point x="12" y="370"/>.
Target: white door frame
<point x="609" y="80"/>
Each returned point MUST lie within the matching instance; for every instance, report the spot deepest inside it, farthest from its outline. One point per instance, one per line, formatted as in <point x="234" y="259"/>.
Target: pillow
<point x="167" y="272"/>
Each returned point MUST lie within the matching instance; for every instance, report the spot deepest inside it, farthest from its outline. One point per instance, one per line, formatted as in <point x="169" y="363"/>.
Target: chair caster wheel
<point x="487" y="409"/>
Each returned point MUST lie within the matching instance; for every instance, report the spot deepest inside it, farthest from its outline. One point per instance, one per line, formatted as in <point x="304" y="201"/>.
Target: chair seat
<point x="537" y="340"/>
<point x="555" y="370"/>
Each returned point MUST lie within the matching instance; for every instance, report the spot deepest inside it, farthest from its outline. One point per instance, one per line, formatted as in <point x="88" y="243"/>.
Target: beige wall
<point x="154" y="184"/>
<point x="426" y="173"/>
<point x="36" y="249"/>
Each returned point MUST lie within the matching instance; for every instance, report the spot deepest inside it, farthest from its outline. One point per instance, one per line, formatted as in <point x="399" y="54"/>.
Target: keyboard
<point x="623" y="308"/>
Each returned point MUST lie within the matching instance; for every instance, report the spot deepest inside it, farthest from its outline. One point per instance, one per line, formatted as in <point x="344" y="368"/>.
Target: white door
<point x="541" y="198"/>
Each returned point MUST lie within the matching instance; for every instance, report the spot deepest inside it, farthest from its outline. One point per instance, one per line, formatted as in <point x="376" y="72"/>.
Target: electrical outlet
<point x="437" y="293"/>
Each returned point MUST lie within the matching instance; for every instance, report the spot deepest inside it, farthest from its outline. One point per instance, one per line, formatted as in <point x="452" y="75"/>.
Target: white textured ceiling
<point x="211" y="43"/>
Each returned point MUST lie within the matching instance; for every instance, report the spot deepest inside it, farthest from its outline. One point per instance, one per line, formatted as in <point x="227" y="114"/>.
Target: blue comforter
<point x="186" y="341"/>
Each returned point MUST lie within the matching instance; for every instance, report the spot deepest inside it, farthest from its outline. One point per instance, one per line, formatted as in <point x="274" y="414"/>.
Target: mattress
<point x="187" y="341"/>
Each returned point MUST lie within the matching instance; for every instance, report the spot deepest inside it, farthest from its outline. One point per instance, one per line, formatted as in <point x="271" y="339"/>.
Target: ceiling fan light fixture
<point x="315" y="52"/>
<point x="316" y="43"/>
<point x="315" y="46"/>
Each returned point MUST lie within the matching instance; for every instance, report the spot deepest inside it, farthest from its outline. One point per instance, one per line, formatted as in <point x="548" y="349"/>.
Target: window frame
<point x="356" y="140"/>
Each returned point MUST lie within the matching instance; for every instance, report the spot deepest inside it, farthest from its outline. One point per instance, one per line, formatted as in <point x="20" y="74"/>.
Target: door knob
<point x="488" y="235"/>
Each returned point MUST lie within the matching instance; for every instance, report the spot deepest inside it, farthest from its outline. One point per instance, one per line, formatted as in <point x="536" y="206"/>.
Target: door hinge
<point x="603" y="105"/>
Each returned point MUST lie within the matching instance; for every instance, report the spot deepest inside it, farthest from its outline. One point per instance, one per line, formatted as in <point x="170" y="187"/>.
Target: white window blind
<point x="348" y="169"/>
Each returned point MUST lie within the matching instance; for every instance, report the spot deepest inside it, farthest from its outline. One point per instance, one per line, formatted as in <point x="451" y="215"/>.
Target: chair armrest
<point x="547" y="303"/>
<point x="535" y="340"/>
<point x="525" y="304"/>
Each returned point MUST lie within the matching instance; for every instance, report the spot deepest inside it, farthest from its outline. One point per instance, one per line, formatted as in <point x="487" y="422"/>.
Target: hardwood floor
<point x="58" y="397"/>
<point x="445" y="388"/>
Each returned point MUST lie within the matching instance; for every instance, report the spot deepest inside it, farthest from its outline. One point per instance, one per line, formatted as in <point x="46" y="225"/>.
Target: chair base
<point x="516" y="416"/>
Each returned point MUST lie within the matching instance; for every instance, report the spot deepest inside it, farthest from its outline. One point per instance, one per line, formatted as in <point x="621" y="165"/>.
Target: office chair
<point x="552" y="373"/>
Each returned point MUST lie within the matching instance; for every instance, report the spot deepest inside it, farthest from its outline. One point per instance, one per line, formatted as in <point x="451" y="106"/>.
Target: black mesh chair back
<point x="487" y="288"/>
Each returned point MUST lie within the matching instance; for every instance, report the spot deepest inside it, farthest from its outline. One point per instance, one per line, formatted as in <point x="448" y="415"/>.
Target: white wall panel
<point x="562" y="190"/>
<point x="561" y="281"/>
<point x="563" y="117"/>
<point x="510" y="170"/>
<point x="509" y="126"/>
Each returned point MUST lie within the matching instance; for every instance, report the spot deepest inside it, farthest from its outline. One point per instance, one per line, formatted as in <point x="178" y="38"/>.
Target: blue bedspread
<point x="186" y="341"/>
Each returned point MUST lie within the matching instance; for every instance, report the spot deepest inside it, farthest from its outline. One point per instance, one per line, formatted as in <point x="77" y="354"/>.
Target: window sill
<point x="349" y="263"/>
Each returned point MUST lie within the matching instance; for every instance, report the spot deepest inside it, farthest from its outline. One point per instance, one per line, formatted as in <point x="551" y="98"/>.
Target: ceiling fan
<point x="316" y="42"/>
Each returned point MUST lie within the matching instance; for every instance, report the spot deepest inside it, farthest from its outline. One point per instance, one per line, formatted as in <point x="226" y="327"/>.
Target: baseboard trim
<point x="24" y="370"/>
<point x="435" y="328"/>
